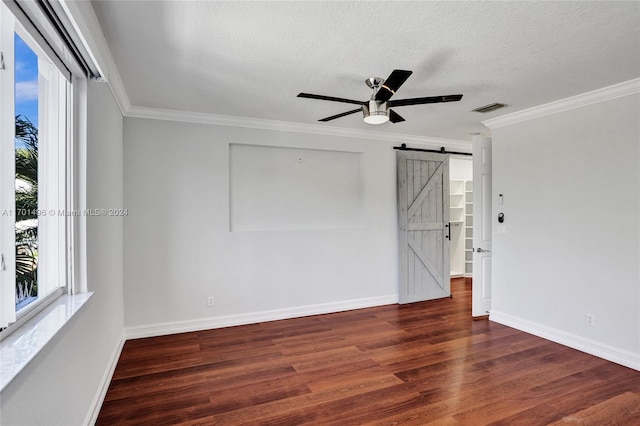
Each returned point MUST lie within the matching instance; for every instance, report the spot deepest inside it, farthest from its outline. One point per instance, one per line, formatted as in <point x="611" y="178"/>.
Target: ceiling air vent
<point x="490" y="107"/>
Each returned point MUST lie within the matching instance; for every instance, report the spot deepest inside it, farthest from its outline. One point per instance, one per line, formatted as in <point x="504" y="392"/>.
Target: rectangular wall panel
<point x="277" y="188"/>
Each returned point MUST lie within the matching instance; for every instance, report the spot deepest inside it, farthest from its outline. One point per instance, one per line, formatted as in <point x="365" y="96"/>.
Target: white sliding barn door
<point x="423" y="214"/>
<point x="482" y="217"/>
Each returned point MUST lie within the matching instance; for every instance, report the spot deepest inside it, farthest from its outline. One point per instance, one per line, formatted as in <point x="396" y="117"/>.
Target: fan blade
<point x="392" y="84"/>
<point x="394" y="117"/>
<point x="333" y="117"/>
<point x="328" y="98"/>
<point x="427" y="100"/>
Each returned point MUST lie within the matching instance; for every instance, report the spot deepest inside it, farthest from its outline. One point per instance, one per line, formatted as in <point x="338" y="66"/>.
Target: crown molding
<point x="117" y="89"/>
<point x="88" y="27"/>
<point x="285" y="126"/>
<point x="600" y="95"/>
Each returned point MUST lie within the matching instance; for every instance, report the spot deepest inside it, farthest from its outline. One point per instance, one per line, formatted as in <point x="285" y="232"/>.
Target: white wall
<point x="60" y="386"/>
<point x="179" y="248"/>
<point x="571" y="185"/>
<point x="280" y="189"/>
<point x="460" y="168"/>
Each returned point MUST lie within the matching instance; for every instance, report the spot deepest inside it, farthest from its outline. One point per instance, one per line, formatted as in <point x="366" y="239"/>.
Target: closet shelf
<point x="461" y="215"/>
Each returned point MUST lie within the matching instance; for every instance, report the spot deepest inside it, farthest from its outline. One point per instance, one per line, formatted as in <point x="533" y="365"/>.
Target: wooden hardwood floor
<point x="419" y="364"/>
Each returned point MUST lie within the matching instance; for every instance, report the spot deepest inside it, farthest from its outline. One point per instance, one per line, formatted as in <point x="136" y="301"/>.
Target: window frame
<point x="70" y="244"/>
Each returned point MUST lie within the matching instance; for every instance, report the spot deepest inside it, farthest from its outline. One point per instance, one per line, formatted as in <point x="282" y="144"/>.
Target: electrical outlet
<point x="210" y="301"/>
<point x="591" y="320"/>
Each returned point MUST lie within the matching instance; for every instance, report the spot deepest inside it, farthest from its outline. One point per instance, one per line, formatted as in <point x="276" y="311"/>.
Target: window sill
<point x="22" y="346"/>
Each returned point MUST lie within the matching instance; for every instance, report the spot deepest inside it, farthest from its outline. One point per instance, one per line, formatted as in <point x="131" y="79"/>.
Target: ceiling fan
<point x="377" y="110"/>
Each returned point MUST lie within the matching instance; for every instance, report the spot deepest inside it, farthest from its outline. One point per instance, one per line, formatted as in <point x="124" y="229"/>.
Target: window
<point x="26" y="174"/>
<point x="40" y="83"/>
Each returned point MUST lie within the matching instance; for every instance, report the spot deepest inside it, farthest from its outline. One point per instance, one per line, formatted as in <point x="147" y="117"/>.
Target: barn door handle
<point x="448" y="225"/>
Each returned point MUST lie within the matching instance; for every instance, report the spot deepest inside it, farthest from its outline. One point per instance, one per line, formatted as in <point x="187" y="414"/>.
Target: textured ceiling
<point x="251" y="59"/>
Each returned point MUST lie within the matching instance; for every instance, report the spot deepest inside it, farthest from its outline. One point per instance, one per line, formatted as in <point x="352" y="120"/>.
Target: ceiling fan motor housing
<point x="375" y="112"/>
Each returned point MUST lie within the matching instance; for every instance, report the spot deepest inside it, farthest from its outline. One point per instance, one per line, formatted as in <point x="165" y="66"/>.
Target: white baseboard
<point x="601" y="350"/>
<point x="98" y="399"/>
<point x="174" y="327"/>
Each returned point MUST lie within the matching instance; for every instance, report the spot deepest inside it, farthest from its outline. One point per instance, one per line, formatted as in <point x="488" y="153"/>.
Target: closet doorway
<point x="461" y="216"/>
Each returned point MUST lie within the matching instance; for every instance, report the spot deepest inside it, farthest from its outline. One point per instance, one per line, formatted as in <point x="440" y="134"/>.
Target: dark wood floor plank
<point x="286" y="411"/>
<point x="151" y="384"/>
<point x="311" y="362"/>
<point x="426" y="363"/>
<point x="621" y="409"/>
<point x="541" y="414"/>
<point x="359" y="409"/>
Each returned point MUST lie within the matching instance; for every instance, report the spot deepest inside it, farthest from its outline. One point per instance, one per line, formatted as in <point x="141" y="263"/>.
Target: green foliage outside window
<point x="26" y="209"/>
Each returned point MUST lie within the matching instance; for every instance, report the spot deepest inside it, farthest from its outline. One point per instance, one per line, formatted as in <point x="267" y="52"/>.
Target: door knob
<point x="479" y="250"/>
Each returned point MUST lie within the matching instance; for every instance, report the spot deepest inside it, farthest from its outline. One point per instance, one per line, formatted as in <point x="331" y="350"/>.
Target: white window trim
<point x="7" y="171"/>
<point x="39" y="323"/>
<point x="55" y="103"/>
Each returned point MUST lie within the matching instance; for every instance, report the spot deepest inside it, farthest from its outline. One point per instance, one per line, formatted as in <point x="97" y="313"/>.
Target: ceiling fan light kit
<point x="377" y="110"/>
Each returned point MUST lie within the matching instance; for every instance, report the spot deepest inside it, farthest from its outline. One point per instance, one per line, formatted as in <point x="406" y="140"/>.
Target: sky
<point x="26" y="81"/>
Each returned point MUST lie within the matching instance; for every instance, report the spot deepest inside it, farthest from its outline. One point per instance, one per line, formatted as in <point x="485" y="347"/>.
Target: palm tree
<point x="26" y="207"/>
<point x="27" y="169"/>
